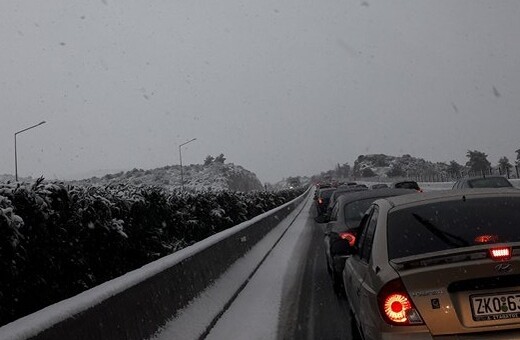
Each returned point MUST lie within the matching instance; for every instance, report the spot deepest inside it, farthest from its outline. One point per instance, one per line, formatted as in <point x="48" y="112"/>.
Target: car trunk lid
<point x="463" y="291"/>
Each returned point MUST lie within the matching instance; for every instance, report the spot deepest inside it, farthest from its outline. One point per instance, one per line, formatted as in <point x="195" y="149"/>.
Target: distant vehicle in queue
<point x="340" y="192"/>
<point x="406" y="185"/>
<point x="437" y="265"/>
<point x="345" y="216"/>
<point x="321" y="199"/>
<point x="322" y="185"/>
<point x="482" y="182"/>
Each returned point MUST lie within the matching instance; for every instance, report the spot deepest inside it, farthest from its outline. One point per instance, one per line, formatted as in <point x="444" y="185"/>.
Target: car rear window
<point x="407" y="185"/>
<point x="454" y="224"/>
<point x="494" y="182"/>
<point x="326" y="193"/>
<point x="354" y="211"/>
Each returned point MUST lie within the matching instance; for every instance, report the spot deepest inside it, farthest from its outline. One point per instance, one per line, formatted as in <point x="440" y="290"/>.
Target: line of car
<point x="416" y="265"/>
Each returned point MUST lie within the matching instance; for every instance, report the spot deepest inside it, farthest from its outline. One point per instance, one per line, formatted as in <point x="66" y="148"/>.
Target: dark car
<point x="322" y="198"/>
<point x="406" y="185"/>
<point x="323" y="185"/>
<point x="343" y="191"/>
<point x="482" y="182"/>
<point x="345" y="216"/>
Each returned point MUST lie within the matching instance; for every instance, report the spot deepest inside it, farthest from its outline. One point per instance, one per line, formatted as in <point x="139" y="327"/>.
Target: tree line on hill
<point x="381" y="165"/>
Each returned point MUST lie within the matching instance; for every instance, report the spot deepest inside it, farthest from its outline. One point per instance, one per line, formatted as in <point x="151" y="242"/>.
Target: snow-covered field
<point x="432" y="186"/>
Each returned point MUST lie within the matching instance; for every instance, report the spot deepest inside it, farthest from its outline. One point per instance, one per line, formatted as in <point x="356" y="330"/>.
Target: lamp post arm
<point x="30" y="127"/>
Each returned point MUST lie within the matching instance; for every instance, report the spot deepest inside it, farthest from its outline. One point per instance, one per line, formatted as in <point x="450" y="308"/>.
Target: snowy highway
<point x="280" y="289"/>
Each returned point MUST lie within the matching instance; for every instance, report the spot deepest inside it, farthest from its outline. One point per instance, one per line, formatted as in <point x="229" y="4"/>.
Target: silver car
<point x="441" y="265"/>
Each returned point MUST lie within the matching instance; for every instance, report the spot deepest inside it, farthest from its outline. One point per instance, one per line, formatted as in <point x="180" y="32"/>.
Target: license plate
<point x="495" y="306"/>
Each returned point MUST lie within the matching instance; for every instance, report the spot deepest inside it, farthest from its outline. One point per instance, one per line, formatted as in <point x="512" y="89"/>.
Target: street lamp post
<point x="15" y="152"/>
<point x="180" y="161"/>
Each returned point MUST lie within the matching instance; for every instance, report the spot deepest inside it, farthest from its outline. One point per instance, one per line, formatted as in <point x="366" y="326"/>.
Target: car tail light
<point x="320" y="200"/>
<point x="350" y="237"/>
<point x="396" y="307"/>
<point x="500" y="253"/>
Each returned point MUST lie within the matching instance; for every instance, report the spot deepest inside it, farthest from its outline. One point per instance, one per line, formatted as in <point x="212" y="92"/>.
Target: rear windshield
<point x="354" y="211"/>
<point x="494" y="182"/>
<point x="455" y="224"/>
<point x="407" y="185"/>
<point x="326" y="193"/>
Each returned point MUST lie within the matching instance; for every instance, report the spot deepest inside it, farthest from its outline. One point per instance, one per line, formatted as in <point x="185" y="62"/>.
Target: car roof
<point x="351" y="187"/>
<point x="404" y="181"/>
<point x="342" y="191"/>
<point x="326" y="190"/>
<point x="381" y="193"/>
<point x="448" y="195"/>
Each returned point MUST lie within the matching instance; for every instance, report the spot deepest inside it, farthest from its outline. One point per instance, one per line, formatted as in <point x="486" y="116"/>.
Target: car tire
<point x="337" y="284"/>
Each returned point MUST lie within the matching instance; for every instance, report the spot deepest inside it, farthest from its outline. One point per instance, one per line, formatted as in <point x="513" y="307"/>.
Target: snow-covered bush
<point x="58" y="240"/>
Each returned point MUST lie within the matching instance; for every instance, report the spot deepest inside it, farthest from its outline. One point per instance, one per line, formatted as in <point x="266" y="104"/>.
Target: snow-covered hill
<point x="214" y="176"/>
<point x="391" y="166"/>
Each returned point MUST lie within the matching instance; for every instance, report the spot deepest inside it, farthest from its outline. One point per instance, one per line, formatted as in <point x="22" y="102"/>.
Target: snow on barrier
<point x="432" y="186"/>
<point x="136" y="304"/>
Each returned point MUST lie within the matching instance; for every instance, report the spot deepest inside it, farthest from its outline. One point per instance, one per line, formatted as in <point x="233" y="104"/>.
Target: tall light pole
<point x="180" y="159"/>
<point x="15" y="153"/>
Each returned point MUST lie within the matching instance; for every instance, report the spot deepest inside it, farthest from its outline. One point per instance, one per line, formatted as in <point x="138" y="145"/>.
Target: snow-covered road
<point x="245" y="303"/>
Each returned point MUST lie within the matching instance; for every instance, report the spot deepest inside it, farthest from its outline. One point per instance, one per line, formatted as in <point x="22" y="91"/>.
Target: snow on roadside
<point x="257" y="308"/>
<point x="192" y="321"/>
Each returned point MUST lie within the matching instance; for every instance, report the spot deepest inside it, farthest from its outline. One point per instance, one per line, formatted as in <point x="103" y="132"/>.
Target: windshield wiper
<point x="444" y="236"/>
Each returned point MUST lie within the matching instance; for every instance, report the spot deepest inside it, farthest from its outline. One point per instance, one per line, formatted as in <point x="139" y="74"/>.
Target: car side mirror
<point x="342" y="247"/>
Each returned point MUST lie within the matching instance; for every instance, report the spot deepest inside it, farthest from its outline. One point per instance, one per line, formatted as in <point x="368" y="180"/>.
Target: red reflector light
<point x="350" y="237"/>
<point x="500" y="253"/>
<point x="486" y="239"/>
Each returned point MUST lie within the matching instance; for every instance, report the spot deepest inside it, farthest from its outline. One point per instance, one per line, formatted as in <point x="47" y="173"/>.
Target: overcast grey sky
<point x="280" y="87"/>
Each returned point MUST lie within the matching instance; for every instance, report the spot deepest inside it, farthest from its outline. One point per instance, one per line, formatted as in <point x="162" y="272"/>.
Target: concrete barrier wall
<point x="136" y="304"/>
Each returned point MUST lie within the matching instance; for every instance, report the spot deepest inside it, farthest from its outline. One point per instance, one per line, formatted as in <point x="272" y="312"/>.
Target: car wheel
<point x="337" y="284"/>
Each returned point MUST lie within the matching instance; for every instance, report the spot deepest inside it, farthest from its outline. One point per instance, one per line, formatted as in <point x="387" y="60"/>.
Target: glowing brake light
<point x="500" y="253"/>
<point x="395" y="305"/>
<point x="350" y="237"/>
